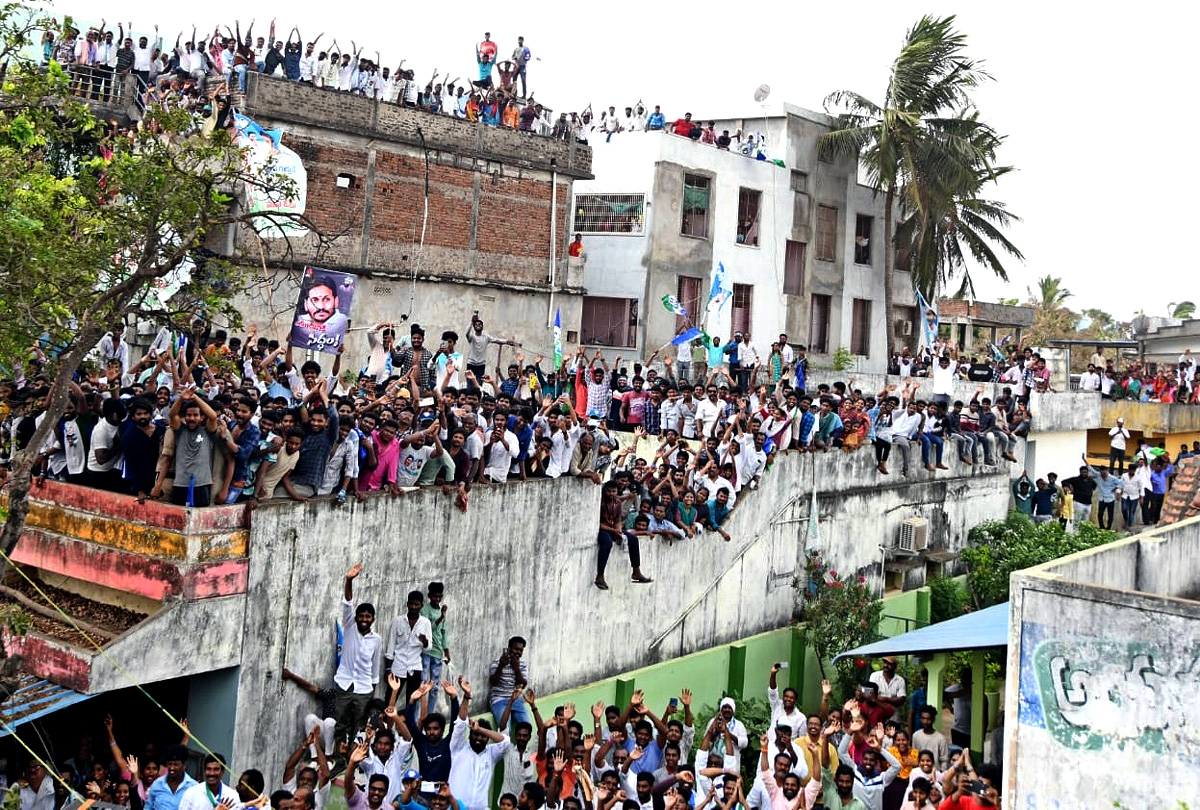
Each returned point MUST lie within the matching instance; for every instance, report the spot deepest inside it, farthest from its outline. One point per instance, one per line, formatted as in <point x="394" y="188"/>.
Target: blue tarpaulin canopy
<point x="983" y="629"/>
<point x="33" y="699"/>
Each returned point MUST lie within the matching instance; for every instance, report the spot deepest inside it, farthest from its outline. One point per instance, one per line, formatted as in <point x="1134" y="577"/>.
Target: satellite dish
<point x="760" y="95"/>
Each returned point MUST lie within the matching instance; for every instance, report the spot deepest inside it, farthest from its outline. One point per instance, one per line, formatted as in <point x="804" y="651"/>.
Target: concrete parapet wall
<point x="521" y="560"/>
<point x="1151" y="417"/>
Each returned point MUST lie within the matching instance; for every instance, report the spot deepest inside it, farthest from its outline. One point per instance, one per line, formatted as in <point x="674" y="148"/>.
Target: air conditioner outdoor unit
<point x="914" y="535"/>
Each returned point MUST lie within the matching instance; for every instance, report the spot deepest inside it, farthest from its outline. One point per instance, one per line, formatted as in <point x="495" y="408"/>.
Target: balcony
<point x="1157" y="418"/>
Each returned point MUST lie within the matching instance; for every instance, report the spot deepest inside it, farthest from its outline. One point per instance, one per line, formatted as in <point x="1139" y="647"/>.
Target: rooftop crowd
<point x="391" y="734"/>
<point x="107" y="65"/>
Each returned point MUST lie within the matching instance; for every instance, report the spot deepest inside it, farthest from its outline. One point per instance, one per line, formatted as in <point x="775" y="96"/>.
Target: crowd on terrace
<point x="390" y="733"/>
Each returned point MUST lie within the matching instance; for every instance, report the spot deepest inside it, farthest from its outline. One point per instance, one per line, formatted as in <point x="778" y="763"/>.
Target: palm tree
<point x="1050" y="295"/>
<point x="924" y="137"/>
<point x="1183" y="311"/>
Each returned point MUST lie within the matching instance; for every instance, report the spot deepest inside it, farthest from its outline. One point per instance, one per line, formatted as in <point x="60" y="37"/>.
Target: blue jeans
<point x="522" y="76"/>
<point x="520" y="713"/>
<point x="431" y="670"/>
<point x="928" y="439"/>
<point x="240" y="70"/>
<point x="234" y="494"/>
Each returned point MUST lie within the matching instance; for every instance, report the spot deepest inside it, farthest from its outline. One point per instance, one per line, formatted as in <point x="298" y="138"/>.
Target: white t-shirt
<point x="943" y="378"/>
<point x="895" y="689"/>
<point x="411" y="462"/>
<point x="707" y="414"/>
<point x="104" y="435"/>
<point x="499" y="457"/>
<point x="142" y="58"/>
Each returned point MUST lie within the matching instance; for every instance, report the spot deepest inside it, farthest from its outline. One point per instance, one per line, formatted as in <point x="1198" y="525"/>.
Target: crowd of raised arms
<point x="394" y="734"/>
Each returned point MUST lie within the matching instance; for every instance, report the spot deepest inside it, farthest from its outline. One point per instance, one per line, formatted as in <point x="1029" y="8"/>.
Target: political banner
<point x="265" y="152"/>
<point x="323" y="310"/>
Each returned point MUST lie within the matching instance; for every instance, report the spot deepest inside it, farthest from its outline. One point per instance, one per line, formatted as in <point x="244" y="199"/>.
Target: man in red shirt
<point x="576" y="247"/>
<point x="974" y="791"/>
<point x="683" y="126"/>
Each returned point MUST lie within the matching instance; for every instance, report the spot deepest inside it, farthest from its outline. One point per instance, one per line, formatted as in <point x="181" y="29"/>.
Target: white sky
<point x="1076" y="89"/>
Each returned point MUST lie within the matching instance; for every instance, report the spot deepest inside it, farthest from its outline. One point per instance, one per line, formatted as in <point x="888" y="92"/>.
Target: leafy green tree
<point x="925" y="150"/>
<point x="839" y="613"/>
<point x="1050" y="294"/>
<point x="93" y="222"/>
<point x="998" y="548"/>
<point x="1184" y="310"/>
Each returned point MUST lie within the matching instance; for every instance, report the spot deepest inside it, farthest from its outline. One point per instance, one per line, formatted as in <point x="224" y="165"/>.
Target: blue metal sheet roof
<point x="36" y="698"/>
<point x="982" y="629"/>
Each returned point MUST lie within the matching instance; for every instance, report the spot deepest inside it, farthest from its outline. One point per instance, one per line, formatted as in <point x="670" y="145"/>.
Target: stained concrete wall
<point x="521" y="561"/>
<point x="1104" y="645"/>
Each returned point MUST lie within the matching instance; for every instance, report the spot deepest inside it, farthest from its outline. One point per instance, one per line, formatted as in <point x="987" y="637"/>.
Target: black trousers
<point x="1105" y="516"/>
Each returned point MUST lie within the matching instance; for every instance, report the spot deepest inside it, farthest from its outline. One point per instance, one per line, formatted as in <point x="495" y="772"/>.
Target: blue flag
<point x="721" y="291"/>
<point x="686" y="337"/>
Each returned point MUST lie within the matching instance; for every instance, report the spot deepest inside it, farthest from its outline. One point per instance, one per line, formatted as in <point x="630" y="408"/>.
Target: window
<point x="826" y="233"/>
<point x="800" y="182"/>
<point x="695" y="206"/>
<point x="862" y="239"/>
<point x="688" y="293"/>
<point x="609" y="213"/>
<point x="860" y="327"/>
<point x="749" y="201"/>
<point x="904" y="325"/>
<point x="743" y="299"/>
<point x="793" y="267"/>
<point x="818" y="325"/>
<point x="609" y="321"/>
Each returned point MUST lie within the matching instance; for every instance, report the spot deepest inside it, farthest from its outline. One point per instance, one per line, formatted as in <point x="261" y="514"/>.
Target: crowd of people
<point x="587" y="126"/>
<point x="105" y="65"/>
<point x="392" y="734"/>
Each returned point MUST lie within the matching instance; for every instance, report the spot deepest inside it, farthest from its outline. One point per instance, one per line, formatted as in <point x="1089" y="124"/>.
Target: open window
<point x="749" y="203"/>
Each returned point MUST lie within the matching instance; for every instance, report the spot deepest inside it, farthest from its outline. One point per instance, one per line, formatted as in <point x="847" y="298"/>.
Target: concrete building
<point x="1162" y="340"/>
<point x="497" y="228"/>
<point x="1103" y="670"/>
<point x="975" y="324"/>
<point x="802" y="243"/>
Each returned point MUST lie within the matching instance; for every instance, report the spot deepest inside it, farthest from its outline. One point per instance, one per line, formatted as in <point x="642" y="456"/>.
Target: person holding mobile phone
<point x="783" y="703"/>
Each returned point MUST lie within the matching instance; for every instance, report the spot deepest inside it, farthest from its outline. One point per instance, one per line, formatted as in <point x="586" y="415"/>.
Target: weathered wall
<point x="1151" y="417"/>
<point x="530" y="572"/>
<point x="1104" y="644"/>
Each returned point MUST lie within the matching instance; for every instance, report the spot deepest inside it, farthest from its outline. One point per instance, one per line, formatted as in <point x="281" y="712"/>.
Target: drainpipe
<point x="553" y="235"/>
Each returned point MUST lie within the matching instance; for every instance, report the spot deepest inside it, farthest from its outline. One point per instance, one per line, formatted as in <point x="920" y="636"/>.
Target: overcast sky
<point x="1075" y="90"/>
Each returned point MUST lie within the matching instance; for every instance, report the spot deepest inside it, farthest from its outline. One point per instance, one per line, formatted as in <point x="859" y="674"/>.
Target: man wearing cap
<point x="736" y="727"/>
<point x="358" y="671"/>
<point x="1116" y="446"/>
<point x="892" y="689"/>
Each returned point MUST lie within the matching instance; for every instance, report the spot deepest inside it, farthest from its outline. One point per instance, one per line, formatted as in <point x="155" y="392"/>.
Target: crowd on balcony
<point x="391" y="733"/>
<point x="105" y="65"/>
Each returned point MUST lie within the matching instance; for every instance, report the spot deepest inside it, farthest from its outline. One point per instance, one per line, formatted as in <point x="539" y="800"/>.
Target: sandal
<point x="641" y="580"/>
<point x="602" y="585"/>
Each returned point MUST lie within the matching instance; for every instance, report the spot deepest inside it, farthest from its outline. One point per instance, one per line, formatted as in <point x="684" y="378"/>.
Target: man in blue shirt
<point x="718" y="511"/>
<point x="657" y="121"/>
<point x="1106" y="487"/>
<point x="1160" y="472"/>
<point x="167" y="790"/>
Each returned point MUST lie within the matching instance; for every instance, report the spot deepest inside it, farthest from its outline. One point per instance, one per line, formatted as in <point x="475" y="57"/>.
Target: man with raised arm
<point x="358" y="671"/>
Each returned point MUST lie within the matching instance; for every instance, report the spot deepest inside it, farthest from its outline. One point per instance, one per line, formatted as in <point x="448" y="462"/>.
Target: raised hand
<point x="685" y="697"/>
<point x="569" y="712"/>
<point x="355" y="571"/>
<point x="465" y="687"/>
<point x="394" y="682"/>
<point x="636" y="753"/>
<point x="826" y="688"/>
<point x="530" y="697"/>
<point x="638" y="698"/>
<point x="598" y="710"/>
<point x="358" y="754"/>
<point x="560" y="762"/>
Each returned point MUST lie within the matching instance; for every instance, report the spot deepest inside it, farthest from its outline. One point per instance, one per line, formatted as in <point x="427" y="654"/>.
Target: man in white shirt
<point x="892" y="689"/>
<point x="358" y="671"/>
<point x="564" y="432"/>
<point x="945" y="371"/>
<point x="307" y="63"/>
<point x="105" y="457"/>
<point x="475" y="750"/>
<point x="1116" y="446"/>
<point x="1089" y="380"/>
<point x="708" y="413"/>
<point x="408" y="638"/>
<point x="389" y="756"/>
<point x="500" y="449"/>
<point x="905" y="426"/>
<point x="783" y="705"/>
<point x="37" y="792"/>
<point x="212" y="792"/>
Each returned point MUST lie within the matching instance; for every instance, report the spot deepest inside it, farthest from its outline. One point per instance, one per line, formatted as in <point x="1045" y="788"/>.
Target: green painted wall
<point x="710" y="673"/>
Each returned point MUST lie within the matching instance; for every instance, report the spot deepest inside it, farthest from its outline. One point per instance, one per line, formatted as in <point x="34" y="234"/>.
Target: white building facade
<point x="801" y="243"/>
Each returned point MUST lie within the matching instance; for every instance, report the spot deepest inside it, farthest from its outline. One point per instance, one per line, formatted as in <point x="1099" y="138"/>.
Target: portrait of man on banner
<point x="323" y="310"/>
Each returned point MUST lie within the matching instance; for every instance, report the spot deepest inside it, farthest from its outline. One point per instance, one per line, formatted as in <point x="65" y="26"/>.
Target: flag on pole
<point x="721" y="290"/>
<point x="929" y="322"/>
<point x="672" y="304"/>
<point x="558" y="346"/>
<point x="686" y="337"/>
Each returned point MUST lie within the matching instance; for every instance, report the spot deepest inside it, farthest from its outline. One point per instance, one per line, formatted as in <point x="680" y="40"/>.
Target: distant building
<point x="975" y="324"/>
<point x="802" y="243"/>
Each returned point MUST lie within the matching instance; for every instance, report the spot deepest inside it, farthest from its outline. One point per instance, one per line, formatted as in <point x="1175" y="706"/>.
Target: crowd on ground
<point x="105" y="65"/>
<point x="393" y="734"/>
